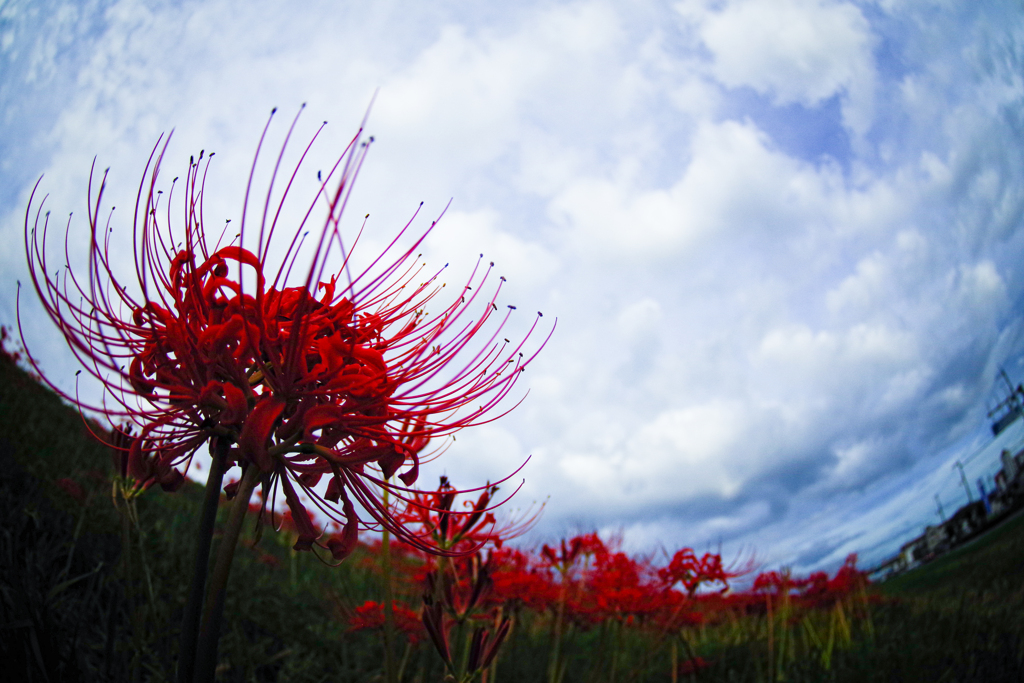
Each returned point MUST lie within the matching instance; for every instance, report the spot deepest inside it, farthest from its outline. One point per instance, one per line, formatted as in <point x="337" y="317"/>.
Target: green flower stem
<point x="556" y="636"/>
<point x="206" y="651"/>
<point x="390" y="674"/>
<point x="194" y="606"/>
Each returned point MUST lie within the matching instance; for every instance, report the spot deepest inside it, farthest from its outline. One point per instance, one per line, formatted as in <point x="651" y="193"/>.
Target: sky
<point x="782" y="240"/>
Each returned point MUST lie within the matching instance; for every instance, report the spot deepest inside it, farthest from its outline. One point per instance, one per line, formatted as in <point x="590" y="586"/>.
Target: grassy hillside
<point x="73" y="609"/>
<point x="991" y="568"/>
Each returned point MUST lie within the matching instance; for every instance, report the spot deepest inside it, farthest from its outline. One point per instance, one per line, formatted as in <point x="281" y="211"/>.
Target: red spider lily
<point x="685" y="568"/>
<point x="518" y="581"/>
<point x="429" y="516"/>
<point x="779" y="583"/>
<point x="822" y="591"/>
<point x="622" y="588"/>
<point x="370" y="615"/>
<point x="334" y="375"/>
<point x="564" y="562"/>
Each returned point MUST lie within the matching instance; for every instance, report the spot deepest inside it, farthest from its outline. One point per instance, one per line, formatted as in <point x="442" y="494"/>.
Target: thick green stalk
<point x="194" y="606"/>
<point x="126" y="566"/>
<point x="209" y="634"/>
<point x="557" y="636"/>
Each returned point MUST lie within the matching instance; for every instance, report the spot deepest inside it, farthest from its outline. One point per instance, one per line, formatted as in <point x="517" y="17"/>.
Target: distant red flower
<point x="11" y="356"/>
<point x="370" y="615"/>
<point x="564" y="560"/>
<point x="821" y="591"/>
<point x="621" y="587"/>
<point x="779" y="583"/>
<point x="685" y="568"/>
<point x="431" y="517"/>
<point x="517" y="580"/>
<point x="331" y="374"/>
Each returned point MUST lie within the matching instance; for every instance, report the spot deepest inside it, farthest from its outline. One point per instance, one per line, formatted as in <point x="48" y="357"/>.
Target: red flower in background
<point x="518" y="581"/>
<point x="370" y="615"/>
<point x="328" y="375"/>
<point x="565" y="560"/>
<point x="686" y="569"/>
<point x="821" y="591"/>
<point x="622" y="588"/>
<point x="430" y="516"/>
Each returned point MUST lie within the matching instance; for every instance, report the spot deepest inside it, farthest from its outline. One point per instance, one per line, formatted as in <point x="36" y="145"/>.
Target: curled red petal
<point x="256" y="431"/>
<point x="342" y="547"/>
<point x="238" y="405"/>
<point x="390" y="461"/>
<point x="300" y="517"/>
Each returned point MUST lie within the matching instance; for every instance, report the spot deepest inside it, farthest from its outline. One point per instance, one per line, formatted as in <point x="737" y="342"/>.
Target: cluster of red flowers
<point x="12" y="356"/>
<point x="816" y="590"/>
<point x="593" y="583"/>
<point x="370" y="615"/>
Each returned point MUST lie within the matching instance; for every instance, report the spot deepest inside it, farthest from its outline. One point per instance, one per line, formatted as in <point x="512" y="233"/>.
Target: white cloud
<point x="802" y="51"/>
<point x="733" y="182"/>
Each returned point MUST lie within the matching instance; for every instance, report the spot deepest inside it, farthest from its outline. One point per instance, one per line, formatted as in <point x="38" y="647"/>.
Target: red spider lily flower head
<point x="336" y="374"/>
<point x="431" y="517"/>
<point x="621" y="587"/>
<point x="370" y="615"/>
<point x="779" y="582"/>
<point x="518" y="580"/>
<point x="564" y="562"/>
<point x="687" y="569"/>
<point x="821" y="591"/>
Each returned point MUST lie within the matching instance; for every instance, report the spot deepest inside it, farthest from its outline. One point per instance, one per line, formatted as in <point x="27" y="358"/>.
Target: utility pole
<point x="942" y="514"/>
<point x="963" y="478"/>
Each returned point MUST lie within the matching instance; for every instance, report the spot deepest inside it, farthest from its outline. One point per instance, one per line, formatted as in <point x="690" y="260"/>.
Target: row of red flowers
<point x="586" y="578"/>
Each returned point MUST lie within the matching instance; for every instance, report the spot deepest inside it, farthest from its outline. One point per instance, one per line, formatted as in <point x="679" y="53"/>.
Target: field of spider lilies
<point x="93" y="583"/>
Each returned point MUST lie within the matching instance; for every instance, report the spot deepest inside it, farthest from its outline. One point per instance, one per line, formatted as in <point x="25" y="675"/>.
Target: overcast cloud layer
<point x="783" y="239"/>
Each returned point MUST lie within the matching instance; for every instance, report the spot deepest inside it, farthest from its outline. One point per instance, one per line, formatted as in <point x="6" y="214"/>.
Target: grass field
<point x="88" y="594"/>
